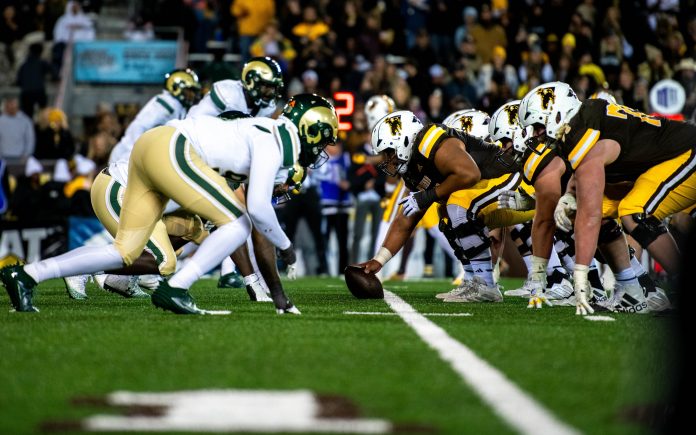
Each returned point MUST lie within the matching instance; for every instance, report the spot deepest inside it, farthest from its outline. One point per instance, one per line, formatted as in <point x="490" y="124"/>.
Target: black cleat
<point x="176" y="300"/>
<point x="20" y="288"/>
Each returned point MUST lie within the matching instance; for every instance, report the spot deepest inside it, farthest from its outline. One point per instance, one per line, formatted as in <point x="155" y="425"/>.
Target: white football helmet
<point x="521" y="140"/>
<point x="471" y="121"/>
<point x="603" y="95"/>
<point x="377" y="107"/>
<point x="552" y="105"/>
<point x="504" y="121"/>
<point x="397" y="131"/>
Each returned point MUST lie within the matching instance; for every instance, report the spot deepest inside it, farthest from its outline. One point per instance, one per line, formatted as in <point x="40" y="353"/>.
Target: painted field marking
<point x="600" y="318"/>
<point x="379" y="313"/>
<point x="519" y="410"/>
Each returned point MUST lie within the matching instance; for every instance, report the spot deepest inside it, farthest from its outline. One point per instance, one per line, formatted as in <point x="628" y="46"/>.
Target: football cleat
<point x="20" y="287"/>
<point x="124" y="285"/>
<point x="523" y="292"/>
<point x="658" y="301"/>
<point x="460" y="288"/>
<point x="477" y="291"/>
<point x="231" y="280"/>
<point x="75" y="286"/>
<point x="561" y="293"/>
<point x="150" y="282"/>
<point x="628" y="299"/>
<point x="176" y="300"/>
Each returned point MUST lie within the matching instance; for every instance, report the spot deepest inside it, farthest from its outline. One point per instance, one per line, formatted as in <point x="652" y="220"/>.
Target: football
<point x="363" y="285"/>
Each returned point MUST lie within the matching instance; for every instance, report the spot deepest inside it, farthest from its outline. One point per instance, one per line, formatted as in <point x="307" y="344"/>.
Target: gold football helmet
<point x="184" y="85"/>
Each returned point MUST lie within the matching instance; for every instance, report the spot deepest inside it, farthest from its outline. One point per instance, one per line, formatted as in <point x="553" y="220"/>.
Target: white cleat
<point x="124" y="285"/>
<point x="75" y="286"/>
<point x="291" y="310"/>
<point x="150" y="282"/>
<point x="658" y="301"/>
<point x="523" y="292"/>
<point x="477" y="291"/>
<point x="99" y="279"/>
<point x="460" y="288"/>
<point x="558" y="292"/>
<point x="627" y="299"/>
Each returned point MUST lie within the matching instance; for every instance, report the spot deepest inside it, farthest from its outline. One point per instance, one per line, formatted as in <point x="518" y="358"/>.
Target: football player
<point x="183" y="162"/>
<point x="434" y="162"/>
<point x="605" y="143"/>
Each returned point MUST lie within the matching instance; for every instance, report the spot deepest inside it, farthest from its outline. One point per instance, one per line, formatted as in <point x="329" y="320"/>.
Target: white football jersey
<point x="226" y="95"/>
<point x="255" y="151"/>
<point x="158" y="111"/>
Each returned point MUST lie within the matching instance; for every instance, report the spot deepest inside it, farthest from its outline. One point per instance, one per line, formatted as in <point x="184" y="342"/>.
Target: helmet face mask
<point x="317" y="124"/>
<point x="262" y="80"/>
<point x="183" y="84"/>
<point x="396" y="133"/>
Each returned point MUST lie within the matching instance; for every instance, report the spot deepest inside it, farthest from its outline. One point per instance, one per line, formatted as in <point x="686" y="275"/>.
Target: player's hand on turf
<point x="537" y="298"/>
<point x="515" y="200"/>
<point x="583" y="293"/>
<point x="371" y="266"/>
<point x="287" y="255"/>
<point x="565" y="212"/>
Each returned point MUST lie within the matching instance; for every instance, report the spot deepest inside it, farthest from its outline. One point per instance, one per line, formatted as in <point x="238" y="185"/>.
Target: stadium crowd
<point x="431" y="57"/>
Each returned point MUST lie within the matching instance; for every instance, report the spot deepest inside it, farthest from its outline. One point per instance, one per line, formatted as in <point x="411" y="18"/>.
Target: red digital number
<point x="346" y="110"/>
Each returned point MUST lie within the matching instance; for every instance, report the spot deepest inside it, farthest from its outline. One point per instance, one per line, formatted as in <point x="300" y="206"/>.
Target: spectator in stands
<point x="10" y="31"/>
<point x="77" y="189"/>
<point x="336" y="200"/>
<point x="99" y="147"/>
<point x="273" y="44"/>
<point x="53" y="137"/>
<point x="26" y="201"/>
<point x="487" y="34"/>
<point x="17" y="138"/>
<point x="498" y="71"/>
<point x="685" y="74"/>
<point x="311" y="27"/>
<point x="367" y="185"/>
<point x="31" y="79"/>
<point x="469" y="17"/>
<point x="74" y="25"/>
<point x="54" y="202"/>
<point x="139" y="30"/>
<point x="654" y="68"/>
<point x="415" y="16"/>
<point x="206" y="22"/>
<point x="252" y="18"/>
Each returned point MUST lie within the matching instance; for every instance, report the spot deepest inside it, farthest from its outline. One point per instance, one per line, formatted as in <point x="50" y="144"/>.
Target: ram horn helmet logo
<point x="548" y="96"/>
<point x="394" y="124"/>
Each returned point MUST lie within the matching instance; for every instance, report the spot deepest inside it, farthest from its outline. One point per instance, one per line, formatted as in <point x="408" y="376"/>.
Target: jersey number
<point x="622" y="112"/>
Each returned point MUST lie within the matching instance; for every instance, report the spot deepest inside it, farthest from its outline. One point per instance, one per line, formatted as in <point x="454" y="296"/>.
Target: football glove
<point x="515" y="200"/>
<point x="292" y="272"/>
<point x="418" y="201"/>
<point x="583" y="290"/>
<point x="288" y="255"/>
<point x="565" y="212"/>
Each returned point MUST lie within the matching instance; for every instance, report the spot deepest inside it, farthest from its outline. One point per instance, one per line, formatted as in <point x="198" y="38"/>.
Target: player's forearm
<point x="586" y="233"/>
<point x="400" y="231"/>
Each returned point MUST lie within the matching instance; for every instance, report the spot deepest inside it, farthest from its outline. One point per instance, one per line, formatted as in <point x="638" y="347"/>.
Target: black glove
<point x="288" y="255"/>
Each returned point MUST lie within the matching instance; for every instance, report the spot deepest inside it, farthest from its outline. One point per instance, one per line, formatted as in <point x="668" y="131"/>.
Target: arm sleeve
<point x="264" y="166"/>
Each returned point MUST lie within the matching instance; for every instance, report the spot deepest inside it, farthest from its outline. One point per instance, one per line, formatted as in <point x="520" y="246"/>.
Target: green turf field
<point x="587" y="374"/>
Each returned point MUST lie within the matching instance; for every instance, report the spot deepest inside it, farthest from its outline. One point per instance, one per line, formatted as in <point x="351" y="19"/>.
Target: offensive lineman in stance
<point x="176" y="162"/>
<point x="434" y="162"/>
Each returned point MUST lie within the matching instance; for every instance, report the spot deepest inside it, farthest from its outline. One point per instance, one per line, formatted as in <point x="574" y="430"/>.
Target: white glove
<point x="292" y="272"/>
<point x="565" y="212"/>
<point x="537" y="283"/>
<point x="417" y="201"/>
<point x="583" y="290"/>
<point x="515" y="200"/>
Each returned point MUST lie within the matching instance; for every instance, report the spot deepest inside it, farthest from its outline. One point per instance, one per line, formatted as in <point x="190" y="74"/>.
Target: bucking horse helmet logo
<point x="394" y="124"/>
<point x="548" y="97"/>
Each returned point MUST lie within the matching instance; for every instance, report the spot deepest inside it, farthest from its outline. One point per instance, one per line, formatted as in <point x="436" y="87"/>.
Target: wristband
<point x="580" y="275"/>
<point x="382" y="256"/>
<point x="538" y="268"/>
<point x="425" y="198"/>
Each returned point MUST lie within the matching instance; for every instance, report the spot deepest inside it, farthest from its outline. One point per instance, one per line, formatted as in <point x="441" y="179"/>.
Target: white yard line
<point x="514" y="406"/>
<point x="380" y="313"/>
<point x="600" y="318"/>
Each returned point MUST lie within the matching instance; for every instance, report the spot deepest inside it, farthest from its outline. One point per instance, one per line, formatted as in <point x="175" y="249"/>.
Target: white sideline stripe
<point x="377" y="313"/>
<point x="600" y="318"/>
<point x="514" y="406"/>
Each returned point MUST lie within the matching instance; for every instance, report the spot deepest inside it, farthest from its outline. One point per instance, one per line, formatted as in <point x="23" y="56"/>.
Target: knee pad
<point x="648" y="228"/>
<point x="609" y="231"/>
<point x="472" y="237"/>
<point x="185" y="225"/>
